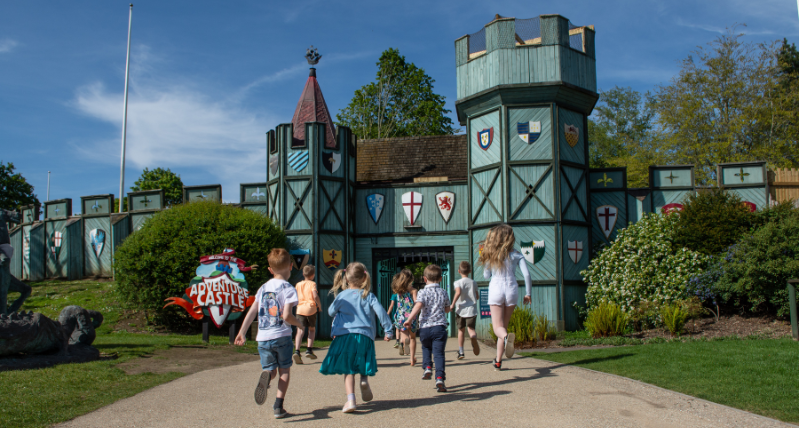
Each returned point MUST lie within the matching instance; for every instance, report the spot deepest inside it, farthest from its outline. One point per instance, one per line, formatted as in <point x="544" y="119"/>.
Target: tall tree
<point x="725" y="106"/>
<point x="400" y="102"/>
<point x="622" y="134"/>
<point x="15" y="191"/>
<point x="160" y="178"/>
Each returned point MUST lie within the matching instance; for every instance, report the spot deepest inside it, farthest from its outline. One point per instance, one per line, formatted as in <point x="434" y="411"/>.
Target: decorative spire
<point x="312" y="55"/>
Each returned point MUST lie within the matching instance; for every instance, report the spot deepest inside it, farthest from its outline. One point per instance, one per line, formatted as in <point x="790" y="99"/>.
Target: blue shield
<point x="298" y="160"/>
<point x="485" y="138"/>
<point x="374" y="203"/>
<point x="529" y="131"/>
<point x="97" y="237"/>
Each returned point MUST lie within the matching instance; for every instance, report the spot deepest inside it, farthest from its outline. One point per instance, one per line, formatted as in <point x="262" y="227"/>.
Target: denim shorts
<point x="276" y="353"/>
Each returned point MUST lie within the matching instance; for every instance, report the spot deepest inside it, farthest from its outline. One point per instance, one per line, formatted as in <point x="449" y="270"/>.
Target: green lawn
<point x="40" y="398"/>
<point x="759" y="376"/>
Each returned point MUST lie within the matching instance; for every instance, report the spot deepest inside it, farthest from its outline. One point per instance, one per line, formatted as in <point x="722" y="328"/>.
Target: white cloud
<point x="202" y="139"/>
<point x="7" y="45"/>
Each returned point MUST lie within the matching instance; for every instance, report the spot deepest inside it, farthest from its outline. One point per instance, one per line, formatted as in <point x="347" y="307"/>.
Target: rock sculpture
<point x="33" y="333"/>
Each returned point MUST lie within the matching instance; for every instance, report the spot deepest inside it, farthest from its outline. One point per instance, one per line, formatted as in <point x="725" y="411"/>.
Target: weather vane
<point x="312" y="55"/>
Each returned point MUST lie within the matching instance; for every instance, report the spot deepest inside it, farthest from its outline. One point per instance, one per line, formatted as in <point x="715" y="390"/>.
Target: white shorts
<point x="503" y="295"/>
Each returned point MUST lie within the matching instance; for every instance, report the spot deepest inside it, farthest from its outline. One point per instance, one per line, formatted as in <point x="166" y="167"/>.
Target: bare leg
<point x="298" y="338"/>
<point x="472" y="333"/>
<point x="349" y="384"/>
<point x="500" y="329"/>
<point x="460" y="338"/>
<point x="283" y="383"/>
<point x="311" y="335"/>
<point x="413" y="347"/>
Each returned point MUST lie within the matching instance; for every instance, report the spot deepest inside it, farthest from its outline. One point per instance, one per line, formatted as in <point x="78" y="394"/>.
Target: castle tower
<point x="525" y="90"/>
<point x="310" y="174"/>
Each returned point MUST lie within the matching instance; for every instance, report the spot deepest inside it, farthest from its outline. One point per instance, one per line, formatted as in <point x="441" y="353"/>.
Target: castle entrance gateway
<point x="386" y="262"/>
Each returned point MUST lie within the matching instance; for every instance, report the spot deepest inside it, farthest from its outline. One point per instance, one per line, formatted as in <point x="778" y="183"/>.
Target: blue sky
<point x="209" y="78"/>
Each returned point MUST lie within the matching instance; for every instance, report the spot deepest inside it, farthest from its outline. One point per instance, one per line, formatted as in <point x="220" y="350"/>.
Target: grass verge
<point x="759" y="376"/>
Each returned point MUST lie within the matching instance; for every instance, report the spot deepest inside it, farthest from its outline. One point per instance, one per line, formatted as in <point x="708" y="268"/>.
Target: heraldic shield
<point x="412" y="204"/>
<point x="670" y="208"/>
<point x="485" y="138"/>
<point x="529" y="131"/>
<point x="606" y="215"/>
<point x="572" y="134"/>
<point x="299" y="258"/>
<point x="575" y="249"/>
<point x="331" y="161"/>
<point x="55" y="243"/>
<point x="97" y="237"/>
<point x="331" y="258"/>
<point x="446" y="203"/>
<point x="374" y="203"/>
<point x="533" y="251"/>
<point x="273" y="164"/>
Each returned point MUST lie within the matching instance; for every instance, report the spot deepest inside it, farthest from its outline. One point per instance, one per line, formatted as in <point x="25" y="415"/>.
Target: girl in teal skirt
<point x="353" y="349"/>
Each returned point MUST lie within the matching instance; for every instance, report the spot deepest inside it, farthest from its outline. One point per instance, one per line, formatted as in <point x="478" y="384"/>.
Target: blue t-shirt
<point x="353" y="313"/>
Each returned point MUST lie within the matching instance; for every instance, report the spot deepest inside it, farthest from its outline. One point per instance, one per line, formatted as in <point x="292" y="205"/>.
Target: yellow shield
<point x="332" y="258"/>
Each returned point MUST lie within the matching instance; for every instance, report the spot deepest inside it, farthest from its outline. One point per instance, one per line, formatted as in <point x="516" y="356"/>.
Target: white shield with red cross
<point x="607" y="215"/>
<point x="412" y="204"/>
<point x="575" y="249"/>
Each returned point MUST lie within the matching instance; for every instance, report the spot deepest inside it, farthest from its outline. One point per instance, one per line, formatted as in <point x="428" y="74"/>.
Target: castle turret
<point x="525" y="90"/>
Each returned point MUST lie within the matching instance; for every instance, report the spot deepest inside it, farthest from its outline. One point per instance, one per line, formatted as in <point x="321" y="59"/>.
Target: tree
<point x="15" y="191"/>
<point x="160" y="178"/>
<point x="725" y="106"/>
<point x="622" y="134"/>
<point x="400" y="102"/>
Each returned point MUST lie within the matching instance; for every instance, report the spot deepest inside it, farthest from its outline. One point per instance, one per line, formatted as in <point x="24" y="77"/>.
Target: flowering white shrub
<point x="642" y="265"/>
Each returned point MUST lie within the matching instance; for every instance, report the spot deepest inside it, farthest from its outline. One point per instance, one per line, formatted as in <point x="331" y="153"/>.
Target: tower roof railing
<point x="528" y="33"/>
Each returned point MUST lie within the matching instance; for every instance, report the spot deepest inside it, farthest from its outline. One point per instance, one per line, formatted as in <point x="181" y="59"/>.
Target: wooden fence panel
<point x="784" y="185"/>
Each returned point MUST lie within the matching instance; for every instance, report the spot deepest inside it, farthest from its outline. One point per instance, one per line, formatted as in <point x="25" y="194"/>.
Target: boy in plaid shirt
<point x="432" y="303"/>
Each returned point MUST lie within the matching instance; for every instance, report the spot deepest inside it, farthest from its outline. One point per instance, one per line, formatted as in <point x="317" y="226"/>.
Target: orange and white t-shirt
<point x="307" y="305"/>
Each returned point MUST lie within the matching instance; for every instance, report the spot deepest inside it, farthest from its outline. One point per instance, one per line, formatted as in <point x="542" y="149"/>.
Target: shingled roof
<point x="312" y="108"/>
<point x="406" y="158"/>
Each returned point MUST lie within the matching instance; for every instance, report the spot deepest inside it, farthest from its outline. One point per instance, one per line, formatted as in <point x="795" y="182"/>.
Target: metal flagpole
<point x="125" y="117"/>
<point x="48" y="185"/>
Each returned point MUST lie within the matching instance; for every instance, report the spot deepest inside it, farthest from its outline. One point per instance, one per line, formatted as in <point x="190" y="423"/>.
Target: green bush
<point x="711" y="221"/>
<point x="674" y="318"/>
<point x="606" y="320"/>
<point x="522" y="323"/>
<point x="544" y="330"/>
<point x="642" y="265"/>
<point x="159" y="260"/>
<point x="756" y="270"/>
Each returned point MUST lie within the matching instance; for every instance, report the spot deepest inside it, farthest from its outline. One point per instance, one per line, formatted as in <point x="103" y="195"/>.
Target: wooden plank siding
<point x="617" y="199"/>
<point x="784" y="185"/>
<point x="393" y="218"/>
<point x="93" y="265"/>
<point x="56" y="266"/>
<point x="37" y="256"/>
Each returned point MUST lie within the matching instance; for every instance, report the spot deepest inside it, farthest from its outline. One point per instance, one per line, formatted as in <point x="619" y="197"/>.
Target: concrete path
<point x="529" y="393"/>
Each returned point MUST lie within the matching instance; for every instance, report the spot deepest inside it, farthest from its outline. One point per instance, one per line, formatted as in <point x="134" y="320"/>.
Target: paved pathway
<point x="530" y="393"/>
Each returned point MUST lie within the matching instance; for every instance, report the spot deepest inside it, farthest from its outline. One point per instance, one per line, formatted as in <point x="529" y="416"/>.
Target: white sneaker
<point x="509" y="349"/>
<point x="366" y="391"/>
<point x="349" y="407"/>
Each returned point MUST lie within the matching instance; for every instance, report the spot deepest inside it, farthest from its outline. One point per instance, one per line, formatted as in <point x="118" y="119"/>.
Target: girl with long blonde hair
<point x="402" y="285"/>
<point x="353" y="349"/>
<point x="500" y="261"/>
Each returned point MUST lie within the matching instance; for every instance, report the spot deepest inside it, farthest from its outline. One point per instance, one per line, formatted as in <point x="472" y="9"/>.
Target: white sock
<point x="460" y="349"/>
<point x="351" y="397"/>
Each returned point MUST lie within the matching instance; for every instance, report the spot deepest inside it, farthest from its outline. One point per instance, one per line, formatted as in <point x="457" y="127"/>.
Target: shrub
<point x="674" y="318"/>
<point x="159" y="260"/>
<point x="522" y="323"/>
<point x="756" y="270"/>
<point x="544" y="329"/>
<point x="642" y="265"/>
<point x="711" y="221"/>
<point x="605" y="320"/>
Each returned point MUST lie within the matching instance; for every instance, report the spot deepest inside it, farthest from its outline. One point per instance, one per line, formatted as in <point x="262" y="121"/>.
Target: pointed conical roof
<point x="312" y="108"/>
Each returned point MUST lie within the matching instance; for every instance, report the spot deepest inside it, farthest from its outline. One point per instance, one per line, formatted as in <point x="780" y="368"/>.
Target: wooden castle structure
<point x="525" y="89"/>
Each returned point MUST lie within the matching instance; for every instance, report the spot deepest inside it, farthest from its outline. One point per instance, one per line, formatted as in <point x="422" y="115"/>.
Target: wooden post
<point x="205" y="329"/>
<point x="232" y="332"/>
<point x="794" y="315"/>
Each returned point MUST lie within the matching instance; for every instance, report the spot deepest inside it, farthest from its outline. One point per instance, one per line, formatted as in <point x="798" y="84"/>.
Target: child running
<point x="307" y="308"/>
<point x="402" y="284"/>
<point x="392" y="310"/>
<point x="465" y="307"/>
<point x="273" y="303"/>
<point x="353" y="349"/>
<point x="500" y="261"/>
<point x="431" y="304"/>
